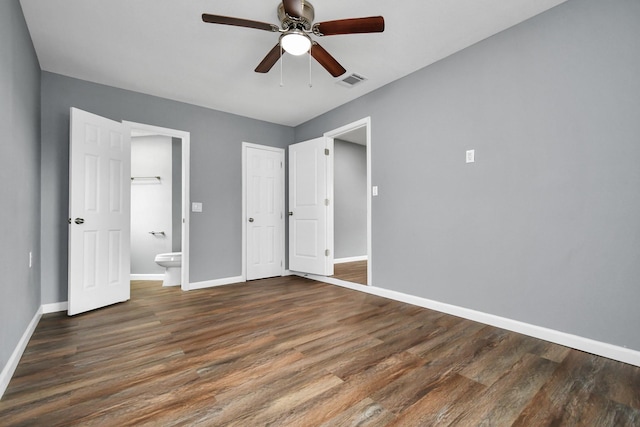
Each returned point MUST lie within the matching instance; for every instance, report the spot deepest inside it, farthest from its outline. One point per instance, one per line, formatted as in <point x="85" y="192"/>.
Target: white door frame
<point x="365" y="122"/>
<point x="186" y="148"/>
<point x="246" y="145"/>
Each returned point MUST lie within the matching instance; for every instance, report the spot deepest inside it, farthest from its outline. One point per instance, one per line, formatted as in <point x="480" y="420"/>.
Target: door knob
<point x="290" y="213"/>
<point x="79" y="221"/>
<point x="250" y="219"/>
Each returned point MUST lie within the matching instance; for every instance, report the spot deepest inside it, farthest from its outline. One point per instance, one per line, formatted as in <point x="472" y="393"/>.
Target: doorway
<point x="352" y="209"/>
<point x="181" y="227"/>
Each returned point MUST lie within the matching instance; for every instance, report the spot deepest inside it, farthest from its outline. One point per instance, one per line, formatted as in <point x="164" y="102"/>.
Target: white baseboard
<point x="55" y="307"/>
<point x="213" y="283"/>
<point x="12" y="363"/>
<point x="350" y="259"/>
<point x="621" y="354"/>
<point x="146" y="277"/>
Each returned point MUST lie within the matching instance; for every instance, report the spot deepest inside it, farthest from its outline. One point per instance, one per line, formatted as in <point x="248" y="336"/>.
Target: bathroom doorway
<point x="159" y="199"/>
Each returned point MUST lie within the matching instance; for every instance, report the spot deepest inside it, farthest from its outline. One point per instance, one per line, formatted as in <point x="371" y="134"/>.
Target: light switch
<point x="374" y="190"/>
<point x="196" y="207"/>
<point x="471" y="156"/>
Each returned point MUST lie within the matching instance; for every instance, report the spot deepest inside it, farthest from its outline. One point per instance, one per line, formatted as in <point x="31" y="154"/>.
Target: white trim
<point x="350" y="259"/>
<point x="186" y="201"/>
<point x="366" y="122"/>
<point x="146" y="277"/>
<point x="281" y="151"/>
<point x="621" y="354"/>
<point x="12" y="363"/>
<point x="55" y="307"/>
<point x="217" y="282"/>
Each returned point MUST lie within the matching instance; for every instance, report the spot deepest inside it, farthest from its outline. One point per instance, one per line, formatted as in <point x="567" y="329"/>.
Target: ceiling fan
<point x="296" y="28"/>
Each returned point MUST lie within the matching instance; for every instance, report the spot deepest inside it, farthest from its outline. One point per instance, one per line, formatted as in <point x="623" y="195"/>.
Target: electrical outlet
<point x="196" y="207"/>
<point x="471" y="156"/>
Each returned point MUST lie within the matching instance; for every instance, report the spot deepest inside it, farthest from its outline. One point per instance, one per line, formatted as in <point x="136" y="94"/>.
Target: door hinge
<point x="326" y="252"/>
<point x="326" y="202"/>
<point x="326" y="151"/>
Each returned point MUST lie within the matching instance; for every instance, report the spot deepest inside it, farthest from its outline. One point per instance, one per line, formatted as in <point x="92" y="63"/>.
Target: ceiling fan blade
<point x="325" y="59"/>
<point x="227" y="20"/>
<point x="293" y="8"/>
<point x="372" y="24"/>
<point x="270" y="60"/>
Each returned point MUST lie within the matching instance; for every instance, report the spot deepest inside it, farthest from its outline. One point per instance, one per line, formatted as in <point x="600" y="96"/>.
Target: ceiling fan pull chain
<point x="281" y="65"/>
<point x="310" y="85"/>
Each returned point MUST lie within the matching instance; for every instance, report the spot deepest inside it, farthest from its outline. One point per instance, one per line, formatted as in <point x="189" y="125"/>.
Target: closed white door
<point x="264" y="182"/>
<point x="311" y="207"/>
<point x="99" y="217"/>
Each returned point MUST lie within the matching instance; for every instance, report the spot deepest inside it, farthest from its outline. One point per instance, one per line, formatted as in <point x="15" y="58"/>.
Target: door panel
<point x="310" y="207"/>
<point x="265" y="212"/>
<point x="99" y="229"/>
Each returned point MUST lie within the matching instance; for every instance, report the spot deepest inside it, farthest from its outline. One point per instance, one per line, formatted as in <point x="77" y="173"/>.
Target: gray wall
<point x="19" y="178"/>
<point x="176" y="194"/>
<point x="544" y="228"/>
<point x="350" y="194"/>
<point x="216" y="172"/>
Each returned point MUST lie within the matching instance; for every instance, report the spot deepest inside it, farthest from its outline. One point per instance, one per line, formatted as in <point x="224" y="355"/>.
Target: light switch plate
<point x="471" y="156"/>
<point x="196" y="207"/>
<point x="374" y="190"/>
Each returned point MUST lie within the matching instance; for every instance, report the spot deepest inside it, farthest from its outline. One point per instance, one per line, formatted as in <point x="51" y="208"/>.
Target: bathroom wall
<point x="151" y="201"/>
<point x="350" y="194"/>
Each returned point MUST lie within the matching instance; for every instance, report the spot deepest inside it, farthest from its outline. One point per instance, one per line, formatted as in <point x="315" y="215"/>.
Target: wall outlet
<point x="196" y="207"/>
<point x="471" y="156"/>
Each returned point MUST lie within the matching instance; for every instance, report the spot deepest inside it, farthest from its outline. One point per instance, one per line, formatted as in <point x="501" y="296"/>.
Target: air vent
<point x="352" y="80"/>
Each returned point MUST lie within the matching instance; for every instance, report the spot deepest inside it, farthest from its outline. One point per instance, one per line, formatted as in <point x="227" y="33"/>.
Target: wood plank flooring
<point x="355" y="272"/>
<point x="294" y="352"/>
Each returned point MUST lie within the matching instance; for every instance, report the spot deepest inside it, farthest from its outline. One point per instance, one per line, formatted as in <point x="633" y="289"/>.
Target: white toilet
<point x="172" y="261"/>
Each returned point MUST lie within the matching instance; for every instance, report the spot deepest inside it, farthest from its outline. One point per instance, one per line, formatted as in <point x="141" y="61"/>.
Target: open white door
<point x="99" y="214"/>
<point x="311" y="207"/>
<point x="264" y="183"/>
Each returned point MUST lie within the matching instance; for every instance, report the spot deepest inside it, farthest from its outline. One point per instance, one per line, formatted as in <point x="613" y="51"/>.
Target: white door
<point x="99" y="217"/>
<point x="311" y="207"/>
<point x="264" y="182"/>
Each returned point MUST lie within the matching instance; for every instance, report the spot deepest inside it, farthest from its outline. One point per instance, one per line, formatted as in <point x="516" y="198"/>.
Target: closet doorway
<point x="352" y="202"/>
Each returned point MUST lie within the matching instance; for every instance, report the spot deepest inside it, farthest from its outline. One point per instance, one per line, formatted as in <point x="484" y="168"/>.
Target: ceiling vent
<point x="352" y="80"/>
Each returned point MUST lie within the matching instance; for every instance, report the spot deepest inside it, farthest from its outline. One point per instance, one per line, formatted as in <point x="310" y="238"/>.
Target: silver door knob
<point x="250" y="219"/>
<point x="79" y="220"/>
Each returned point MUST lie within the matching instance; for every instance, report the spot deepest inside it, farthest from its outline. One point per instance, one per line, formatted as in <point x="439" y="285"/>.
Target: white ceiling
<point x="162" y="48"/>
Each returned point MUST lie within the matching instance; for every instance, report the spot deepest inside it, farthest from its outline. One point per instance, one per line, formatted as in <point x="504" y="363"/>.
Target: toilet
<point x="172" y="262"/>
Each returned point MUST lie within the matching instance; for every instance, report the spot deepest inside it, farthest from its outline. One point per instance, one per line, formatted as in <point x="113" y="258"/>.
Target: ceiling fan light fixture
<point x="295" y="42"/>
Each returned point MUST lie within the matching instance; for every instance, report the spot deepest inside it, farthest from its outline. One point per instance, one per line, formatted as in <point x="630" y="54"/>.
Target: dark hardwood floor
<point x="355" y="272"/>
<point x="291" y="351"/>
